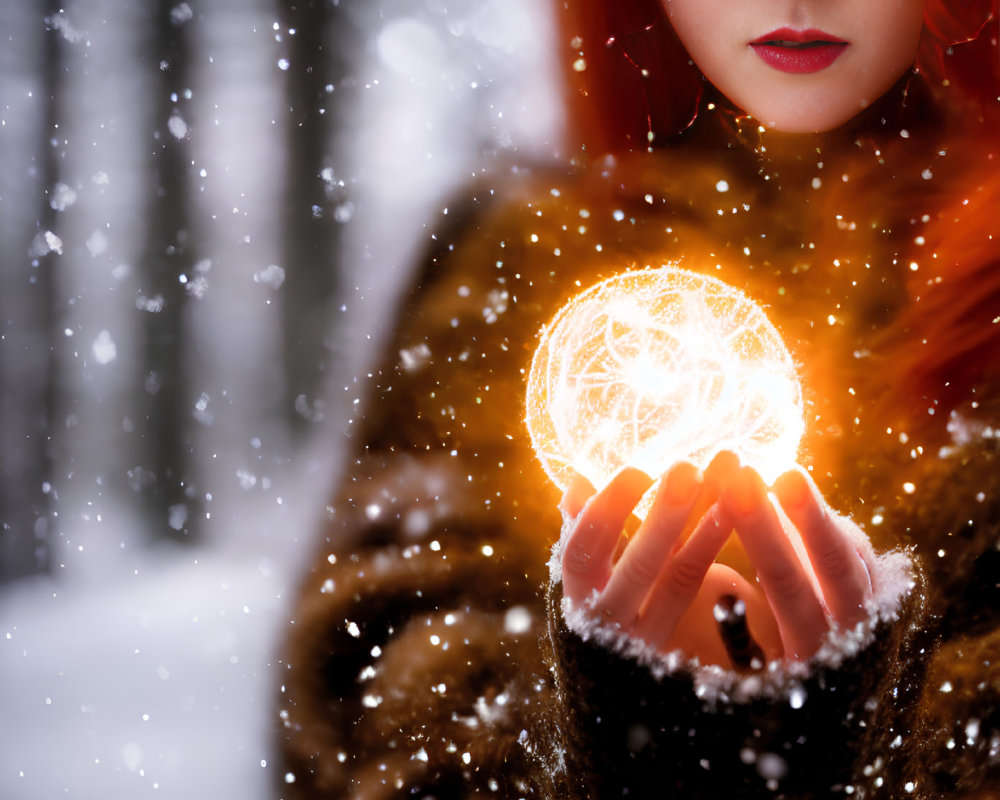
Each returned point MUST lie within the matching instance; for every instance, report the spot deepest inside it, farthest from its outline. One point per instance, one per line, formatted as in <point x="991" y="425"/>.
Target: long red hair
<point x="631" y="82"/>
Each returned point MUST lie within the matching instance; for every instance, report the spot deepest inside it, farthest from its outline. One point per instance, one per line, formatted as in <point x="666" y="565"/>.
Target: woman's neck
<point x="904" y="113"/>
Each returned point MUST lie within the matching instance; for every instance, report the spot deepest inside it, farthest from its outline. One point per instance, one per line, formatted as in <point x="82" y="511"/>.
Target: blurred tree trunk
<point x="321" y="53"/>
<point x="163" y="383"/>
<point x="31" y="67"/>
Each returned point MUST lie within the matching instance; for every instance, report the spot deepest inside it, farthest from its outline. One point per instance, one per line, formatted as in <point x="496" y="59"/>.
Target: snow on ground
<point x="159" y="685"/>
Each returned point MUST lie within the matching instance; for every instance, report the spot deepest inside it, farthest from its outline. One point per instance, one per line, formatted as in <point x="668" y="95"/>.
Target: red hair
<point x="631" y="81"/>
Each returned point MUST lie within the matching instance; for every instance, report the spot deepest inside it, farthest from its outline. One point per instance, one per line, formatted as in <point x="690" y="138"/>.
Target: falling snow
<point x="271" y="276"/>
<point x="104" y="349"/>
<point x="46" y="242"/>
<point x="181" y="13"/>
<point x="177" y="126"/>
<point x="178" y="515"/>
<point x="62" y="197"/>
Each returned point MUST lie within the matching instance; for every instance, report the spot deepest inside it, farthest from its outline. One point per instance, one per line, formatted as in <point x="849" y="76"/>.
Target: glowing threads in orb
<point x="655" y="366"/>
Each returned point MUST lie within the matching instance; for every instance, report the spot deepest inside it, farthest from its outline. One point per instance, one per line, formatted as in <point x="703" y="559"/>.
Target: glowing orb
<point x="656" y="366"/>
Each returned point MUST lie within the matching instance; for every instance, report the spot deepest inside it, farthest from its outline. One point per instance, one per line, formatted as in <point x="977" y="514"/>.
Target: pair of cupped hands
<point x="722" y="568"/>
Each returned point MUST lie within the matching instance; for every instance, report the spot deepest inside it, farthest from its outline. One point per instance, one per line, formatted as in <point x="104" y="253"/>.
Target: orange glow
<point x="655" y="366"/>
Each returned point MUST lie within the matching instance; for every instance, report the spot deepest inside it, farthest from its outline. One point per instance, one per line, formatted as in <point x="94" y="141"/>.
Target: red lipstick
<point x="797" y="51"/>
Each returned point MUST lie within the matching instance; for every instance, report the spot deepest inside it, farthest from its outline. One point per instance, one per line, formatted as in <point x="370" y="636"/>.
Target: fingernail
<point x="576" y="495"/>
<point x="633" y="477"/>
<point x="725" y="459"/>
<point x="723" y="464"/>
<point x="793" y="489"/>
<point x="630" y="483"/>
<point x="743" y="493"/>
<point x="682" y="483"/>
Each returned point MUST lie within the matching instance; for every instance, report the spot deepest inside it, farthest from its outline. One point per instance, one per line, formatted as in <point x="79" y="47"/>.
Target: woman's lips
<point x="797" y="51"/>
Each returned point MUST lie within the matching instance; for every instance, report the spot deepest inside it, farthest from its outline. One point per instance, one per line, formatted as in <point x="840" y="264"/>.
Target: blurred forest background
<point x="179" y="184"/>
<point x="207" y="208"/>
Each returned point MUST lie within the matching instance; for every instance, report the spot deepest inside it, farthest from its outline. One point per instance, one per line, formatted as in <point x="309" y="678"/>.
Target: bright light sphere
<point x="655" y="366"/>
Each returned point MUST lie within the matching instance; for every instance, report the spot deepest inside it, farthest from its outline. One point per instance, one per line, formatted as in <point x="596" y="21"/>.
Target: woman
<point x="854" y="199"/>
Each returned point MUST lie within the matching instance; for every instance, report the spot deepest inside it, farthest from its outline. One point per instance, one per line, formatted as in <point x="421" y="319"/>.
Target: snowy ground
<point x="159" y="677"/>
<point x="139" y="670"/>
<point x="158" y="686"/>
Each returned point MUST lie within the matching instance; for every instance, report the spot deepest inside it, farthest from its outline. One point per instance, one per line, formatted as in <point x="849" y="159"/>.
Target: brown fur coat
<point x="422" y="660"/>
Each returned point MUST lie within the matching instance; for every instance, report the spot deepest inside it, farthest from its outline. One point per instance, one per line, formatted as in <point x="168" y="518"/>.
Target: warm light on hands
<point x="667" y="372"/>
<point x="810" y="568"/>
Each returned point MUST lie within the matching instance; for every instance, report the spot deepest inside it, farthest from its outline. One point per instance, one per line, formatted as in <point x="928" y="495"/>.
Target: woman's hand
<point x="718" y="569"/>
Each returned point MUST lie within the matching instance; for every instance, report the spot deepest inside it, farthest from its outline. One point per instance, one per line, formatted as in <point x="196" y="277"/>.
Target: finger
<point x="587" y="557"/>
<point x="576" y="495"/>
<point x="760" y="619"/>
<point x="677" y="584"/>
<point x="796" y="607"/>
<point x="722" y="579"/>
<point x="841" y="570"/>
<point x="635" y="572"/>
<point x="696" y="634"/>
<point x="722" y="465"/>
